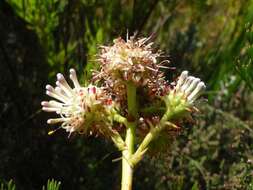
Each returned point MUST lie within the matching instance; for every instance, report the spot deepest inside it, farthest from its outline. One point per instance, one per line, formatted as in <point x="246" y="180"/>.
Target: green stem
<point x="120" y="119"/>
<point x="117" y="140"/>
<point x="138" y="155"/>
<point x="127" y="168"/>
<point x="115" y="136"/>
<point x="131" y="100"/>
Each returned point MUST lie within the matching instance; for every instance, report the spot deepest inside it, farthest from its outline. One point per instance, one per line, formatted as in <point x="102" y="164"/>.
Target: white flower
<point x="81" y="109"/>
<point x="183" y="95"/>
<point x="189" y="87"/>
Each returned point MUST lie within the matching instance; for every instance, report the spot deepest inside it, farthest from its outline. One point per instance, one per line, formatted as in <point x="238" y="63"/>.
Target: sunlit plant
<point x="128" y="100"/>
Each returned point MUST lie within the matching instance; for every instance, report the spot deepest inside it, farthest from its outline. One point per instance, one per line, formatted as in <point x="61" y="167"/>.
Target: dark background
<point x="212" y="39"/>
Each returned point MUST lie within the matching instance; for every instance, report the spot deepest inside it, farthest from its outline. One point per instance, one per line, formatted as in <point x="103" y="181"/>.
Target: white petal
<point x="45" y="103"/>
<point x="196" y="92"/>
<point x="49" y="109"/>
<point x="65" y="89"/>
<point x="57" y="120"/>
<point x="62" y="83"/>
<point x="181" y="79"/>
<point x="73" y="77"/>
<point x="49" y="88"/>
<point x="56" y="96"/>
<point x="187" y="83"/>
<point x="52" y="103"/>
<point x="61" y="93"/>
<point x="192" y="86"/>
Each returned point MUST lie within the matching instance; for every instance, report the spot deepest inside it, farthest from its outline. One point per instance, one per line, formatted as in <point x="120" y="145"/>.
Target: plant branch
<point x="120" y="119"/>
<point x="153" y="133"/>
<point x="127" y="168"/>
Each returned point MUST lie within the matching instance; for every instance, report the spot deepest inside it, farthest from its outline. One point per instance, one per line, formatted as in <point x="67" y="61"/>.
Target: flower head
<point x="184" y="94"/>
<point x="81" y="109"/>
<point x="129" y="61"/>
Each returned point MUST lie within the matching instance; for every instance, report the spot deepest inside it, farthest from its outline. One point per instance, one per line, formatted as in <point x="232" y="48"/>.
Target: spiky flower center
<point x="130" y="61"/>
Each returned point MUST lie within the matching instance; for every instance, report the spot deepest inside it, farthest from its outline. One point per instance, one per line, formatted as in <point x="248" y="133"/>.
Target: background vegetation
<point x="211" y="38"/>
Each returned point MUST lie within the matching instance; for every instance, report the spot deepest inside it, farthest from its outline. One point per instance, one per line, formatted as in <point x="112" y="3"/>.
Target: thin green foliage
<point x="52" y="185"/>
<point x="8" y="185"/>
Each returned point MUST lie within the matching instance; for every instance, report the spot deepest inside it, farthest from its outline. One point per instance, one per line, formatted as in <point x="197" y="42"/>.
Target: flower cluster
<point x="130" y="61"/>
<point x="131" y="91"/>
<point x="81" y="109"/>
<point x="184" y="94"/>
<point x="127" y="63"/>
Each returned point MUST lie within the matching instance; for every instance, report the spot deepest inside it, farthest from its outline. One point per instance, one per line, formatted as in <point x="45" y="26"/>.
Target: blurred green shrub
<point x="8" y="185"/>
<point x="214" y="154"/>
